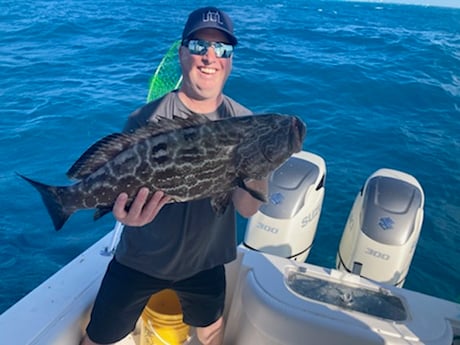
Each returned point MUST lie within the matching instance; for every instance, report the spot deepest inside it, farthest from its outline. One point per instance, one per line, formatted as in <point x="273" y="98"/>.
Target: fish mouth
<point x="298" y="131"/>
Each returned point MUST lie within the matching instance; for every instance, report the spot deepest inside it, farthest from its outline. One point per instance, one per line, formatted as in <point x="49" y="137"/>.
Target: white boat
<point x="274" y="297"/>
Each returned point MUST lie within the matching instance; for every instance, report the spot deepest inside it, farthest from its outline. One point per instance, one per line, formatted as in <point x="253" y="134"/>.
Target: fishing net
<point x="168" y="74"/>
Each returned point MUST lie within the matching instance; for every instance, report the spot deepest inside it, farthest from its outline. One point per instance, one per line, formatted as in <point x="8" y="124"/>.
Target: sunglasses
<point x="200" y="47"/>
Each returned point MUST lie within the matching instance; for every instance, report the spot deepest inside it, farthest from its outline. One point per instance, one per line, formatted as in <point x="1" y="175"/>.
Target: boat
<point x="273" y="295"/>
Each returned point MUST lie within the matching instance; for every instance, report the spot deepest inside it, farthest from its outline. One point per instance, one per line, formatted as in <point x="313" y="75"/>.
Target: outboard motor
<point x="383" y="228"/>
<point x="286" y="225"/>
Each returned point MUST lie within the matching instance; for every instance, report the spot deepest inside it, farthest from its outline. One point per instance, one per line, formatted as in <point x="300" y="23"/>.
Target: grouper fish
<point x="187" y="159"/>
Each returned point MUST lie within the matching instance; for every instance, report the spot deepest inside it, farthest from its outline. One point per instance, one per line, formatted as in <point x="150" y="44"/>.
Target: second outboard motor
<point x="286" y="225"/>
<point x="383" y="228"/>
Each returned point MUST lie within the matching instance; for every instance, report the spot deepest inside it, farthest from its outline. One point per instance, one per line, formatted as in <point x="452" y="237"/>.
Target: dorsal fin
<point x="163" y="125"/>
<point x="98" y="154"/>
<point x="179" y="122"/>
<point x="110" y="146"/>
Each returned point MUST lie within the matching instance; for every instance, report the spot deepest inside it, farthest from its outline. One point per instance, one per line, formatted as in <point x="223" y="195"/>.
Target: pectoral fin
<point x="219" y="203"/>
<point x="254" y="193"/>
<point x="101" y="211"/>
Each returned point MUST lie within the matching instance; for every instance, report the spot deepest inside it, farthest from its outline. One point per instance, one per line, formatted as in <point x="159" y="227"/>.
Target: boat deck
<point x="261" y="308"/>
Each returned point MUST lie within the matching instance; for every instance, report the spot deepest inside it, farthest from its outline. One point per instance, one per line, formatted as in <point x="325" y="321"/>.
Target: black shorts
<point x="124" y="292"/>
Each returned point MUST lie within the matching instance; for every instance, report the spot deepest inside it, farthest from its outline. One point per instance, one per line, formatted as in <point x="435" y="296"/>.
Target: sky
<point x="443" y="3"/>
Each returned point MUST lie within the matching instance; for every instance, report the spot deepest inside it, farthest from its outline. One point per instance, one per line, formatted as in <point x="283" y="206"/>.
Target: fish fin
<point x="254" y="193"/>
<point x="176" y="122"/>
<point x="99" y="153"/>
<point x="220" y="202"/>
<point x="105" y="149"/>
<point x="110" y="146"/>
<point x="52" y="201"/>
<point x="101" y="211"/>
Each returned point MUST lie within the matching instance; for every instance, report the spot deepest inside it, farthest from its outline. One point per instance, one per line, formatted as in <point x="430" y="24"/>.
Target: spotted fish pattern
<point x="188" y="159"/>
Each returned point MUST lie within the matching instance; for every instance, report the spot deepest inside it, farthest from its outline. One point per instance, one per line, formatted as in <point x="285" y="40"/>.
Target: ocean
<point x="377" y="84"/>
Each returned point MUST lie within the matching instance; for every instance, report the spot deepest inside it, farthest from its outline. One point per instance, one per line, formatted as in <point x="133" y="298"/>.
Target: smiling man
<point x="205" y="70"/>
<point x="180" y="246"/>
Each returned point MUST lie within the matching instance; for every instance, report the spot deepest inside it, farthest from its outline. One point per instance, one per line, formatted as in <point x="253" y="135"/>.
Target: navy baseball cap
<point x="209" y="18"/>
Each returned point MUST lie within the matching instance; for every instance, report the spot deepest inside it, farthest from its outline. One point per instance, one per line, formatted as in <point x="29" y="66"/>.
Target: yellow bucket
<point x="162" y="320"/>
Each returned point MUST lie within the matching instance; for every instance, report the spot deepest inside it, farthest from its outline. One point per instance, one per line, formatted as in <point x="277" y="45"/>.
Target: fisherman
<point x="181" y="246"/>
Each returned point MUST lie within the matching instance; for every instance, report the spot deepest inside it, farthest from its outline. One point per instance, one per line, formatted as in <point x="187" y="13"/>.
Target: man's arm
<point x="244" y="203"/>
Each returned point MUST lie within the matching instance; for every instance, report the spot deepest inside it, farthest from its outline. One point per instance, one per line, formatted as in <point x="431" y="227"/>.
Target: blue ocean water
<point x="377" y="84"/>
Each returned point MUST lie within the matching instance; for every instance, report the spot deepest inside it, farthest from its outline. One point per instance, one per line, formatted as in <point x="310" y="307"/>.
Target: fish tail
<point x="52" y="201"/>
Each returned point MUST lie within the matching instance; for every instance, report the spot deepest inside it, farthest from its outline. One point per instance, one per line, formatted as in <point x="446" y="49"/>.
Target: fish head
<point x="285" y="137"/>
<point x="272" y="140"/>
<point x="298" y="132"/>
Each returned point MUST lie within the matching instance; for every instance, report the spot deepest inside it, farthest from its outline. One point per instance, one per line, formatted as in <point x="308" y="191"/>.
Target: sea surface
<point x="377" y="84"/>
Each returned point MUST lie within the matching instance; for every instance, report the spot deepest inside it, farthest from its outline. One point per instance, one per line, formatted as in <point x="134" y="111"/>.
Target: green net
<point x="168" y="74"/>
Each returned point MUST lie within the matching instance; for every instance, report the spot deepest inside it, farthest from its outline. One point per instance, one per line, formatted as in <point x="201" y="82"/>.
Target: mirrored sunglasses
<point x="200" y="47"/>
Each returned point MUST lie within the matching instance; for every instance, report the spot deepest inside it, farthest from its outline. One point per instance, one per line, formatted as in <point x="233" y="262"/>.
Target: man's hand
<point x="142" y="210"/>
<point x="244" y="203"/>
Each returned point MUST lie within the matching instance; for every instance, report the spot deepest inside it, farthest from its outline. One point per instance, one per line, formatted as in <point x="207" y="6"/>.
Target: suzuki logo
<point x="386" y="223"/>
<point x="276" y="198"/>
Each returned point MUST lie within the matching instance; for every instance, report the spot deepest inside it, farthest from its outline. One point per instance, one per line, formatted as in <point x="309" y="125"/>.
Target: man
<point x="182" y="246"/>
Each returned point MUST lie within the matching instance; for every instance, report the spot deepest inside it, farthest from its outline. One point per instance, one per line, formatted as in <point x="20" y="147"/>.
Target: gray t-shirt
<point x="184" y="238"/>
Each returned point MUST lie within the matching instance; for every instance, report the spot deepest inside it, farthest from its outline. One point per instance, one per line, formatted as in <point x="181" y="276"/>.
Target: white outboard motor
<point x="286" y="225"/>
<point x="383" y="228"/>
